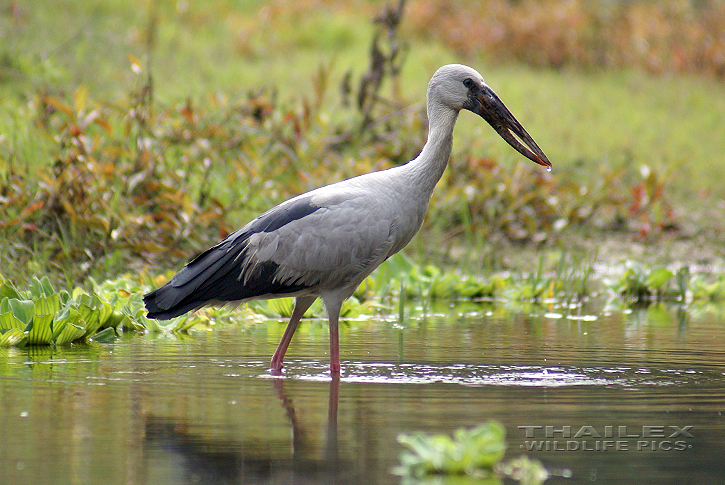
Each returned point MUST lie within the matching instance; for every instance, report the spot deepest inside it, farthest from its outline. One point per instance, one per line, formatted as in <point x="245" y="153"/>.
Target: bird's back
<point x="327" y="239"/>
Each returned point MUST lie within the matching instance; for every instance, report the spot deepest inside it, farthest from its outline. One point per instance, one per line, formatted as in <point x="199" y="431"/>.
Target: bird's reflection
<point x="189" y="457"/>
<point x="300" y="442"/>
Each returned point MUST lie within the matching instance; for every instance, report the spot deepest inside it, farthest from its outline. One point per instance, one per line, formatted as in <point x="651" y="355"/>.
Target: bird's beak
<point x="487" y="105"/>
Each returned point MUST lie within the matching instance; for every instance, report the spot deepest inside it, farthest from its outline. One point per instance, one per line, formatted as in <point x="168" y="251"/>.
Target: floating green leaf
<point x="71" y="332"/>
<point x="12" y="337"/>
<point x="184" y="324"/>
<point x="470" y="451"/>
<point x="279" y="307"/>
<point x="22" y="309"/>
<point x="105" y="336"/>
<point x="524" y="470"/>
<point x="657" y="278"/>
<point x="7" y="290"/>
<point x="41" y="332"/>
<point x="40" y="287"/>
<point x="9" y="321"/>
<point x="47" y="305"/>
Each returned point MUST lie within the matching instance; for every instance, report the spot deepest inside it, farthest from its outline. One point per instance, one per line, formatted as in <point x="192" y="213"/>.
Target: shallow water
<point x="628" y="397"/>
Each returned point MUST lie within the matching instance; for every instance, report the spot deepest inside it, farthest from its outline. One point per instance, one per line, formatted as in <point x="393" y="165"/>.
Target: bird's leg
<point x="333" y="315"/>
<point x="302" y="303"/>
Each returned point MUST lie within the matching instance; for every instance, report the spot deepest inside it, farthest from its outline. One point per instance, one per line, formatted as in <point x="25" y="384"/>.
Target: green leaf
<point x="351" y="308"/>
<point x="444" y="285"/>
<point x="105" y="336"/>
<point x="279" y="307"/>
<point x="66" y="316"/>
<point x="22" y="309"/>
<point x="104" y="313"/>
<point x="41" y="332"/>
<point x="40" y="287"/>
<point x="9" y="321"/>
<point x="184" y="324"/>
<point x="12" y="337"/>
<point x="36" y="288"/>
<point x="45" y="310"/>
<point x="471" y="451"/>
<point x="524" y="470"/>
<point x="132" y="321"/>
<point x="153" y="326"/>
<point x="47" y="305"/>
<point x="116" y="319"/>
<point x="7" y="290"/>
<point x="71" y="332"/>
<point x="91" y="317"/>
<point x="658" y="277"/>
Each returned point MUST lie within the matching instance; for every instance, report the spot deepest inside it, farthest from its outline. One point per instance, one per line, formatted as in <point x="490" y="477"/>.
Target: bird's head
<point x="460" y="87"/>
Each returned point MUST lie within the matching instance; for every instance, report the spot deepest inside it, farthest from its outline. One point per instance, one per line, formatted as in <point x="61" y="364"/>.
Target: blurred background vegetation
<point x="134" y="134"/>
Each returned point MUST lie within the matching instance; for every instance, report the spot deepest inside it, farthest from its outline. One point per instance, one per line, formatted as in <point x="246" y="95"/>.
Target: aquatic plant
<point x="282" y="308"/>
<point x="643" y="285"/>
<point x="704" y="288"/>
<point x="40" y="315"/>
<point x="476" y="452"/>
<point x="469" y="451"/>
<point x="640" y="283"/>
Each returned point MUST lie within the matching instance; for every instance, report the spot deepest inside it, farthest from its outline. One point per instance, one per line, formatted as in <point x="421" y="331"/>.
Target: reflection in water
<point x="193" y="458"/>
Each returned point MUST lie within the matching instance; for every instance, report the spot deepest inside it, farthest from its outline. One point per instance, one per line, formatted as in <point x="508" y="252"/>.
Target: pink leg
<point x="333" y="315"/>
<point x="302" y="303"/>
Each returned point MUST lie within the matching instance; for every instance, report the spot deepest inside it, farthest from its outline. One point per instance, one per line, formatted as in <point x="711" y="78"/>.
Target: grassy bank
<point x="194" y="117"/>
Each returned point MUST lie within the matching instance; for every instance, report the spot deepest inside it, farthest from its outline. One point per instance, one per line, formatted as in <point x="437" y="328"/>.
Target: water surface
<point x="628" y="397"/>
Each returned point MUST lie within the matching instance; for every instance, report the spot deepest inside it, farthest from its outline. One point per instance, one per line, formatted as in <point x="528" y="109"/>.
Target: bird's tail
<point x="214" y="277"/>
<point x="197" y="284"/>
<point x="156" y="312"/>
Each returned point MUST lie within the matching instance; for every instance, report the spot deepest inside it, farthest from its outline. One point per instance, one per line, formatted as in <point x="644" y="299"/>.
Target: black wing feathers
<point x="282" y="215"/>
<point x="215" y="275"/>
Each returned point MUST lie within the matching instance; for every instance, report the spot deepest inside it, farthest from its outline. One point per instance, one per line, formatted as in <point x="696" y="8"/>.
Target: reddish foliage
<point x="669" y="36"/>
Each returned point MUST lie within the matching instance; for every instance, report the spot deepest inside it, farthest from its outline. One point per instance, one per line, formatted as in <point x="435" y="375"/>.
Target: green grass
<point x="588" y="122"/>
<point x="586" y="119"/>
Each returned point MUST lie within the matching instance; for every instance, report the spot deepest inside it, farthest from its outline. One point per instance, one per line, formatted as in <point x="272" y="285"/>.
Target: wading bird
<point x="324" y="243"/>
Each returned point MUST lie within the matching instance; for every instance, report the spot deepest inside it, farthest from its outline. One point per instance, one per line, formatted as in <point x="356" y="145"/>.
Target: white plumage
<point x="324" y="243"/>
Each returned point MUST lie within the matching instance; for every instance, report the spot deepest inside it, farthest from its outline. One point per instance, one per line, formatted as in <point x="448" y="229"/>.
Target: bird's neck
<point x="428" y="167"/>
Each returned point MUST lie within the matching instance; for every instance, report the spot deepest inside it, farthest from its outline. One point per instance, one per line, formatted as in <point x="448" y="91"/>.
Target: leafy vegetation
<point x="151" y="161"/>
<point x="130" y="181"/>
<point x="642" y="284"/>
<point x="196" y="116"/>
<point x="40" y="315"/>
<point x="476" y="452"/>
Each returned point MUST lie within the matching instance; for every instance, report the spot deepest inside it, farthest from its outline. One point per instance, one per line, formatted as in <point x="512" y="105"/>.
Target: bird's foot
<point x="275" y="368"/>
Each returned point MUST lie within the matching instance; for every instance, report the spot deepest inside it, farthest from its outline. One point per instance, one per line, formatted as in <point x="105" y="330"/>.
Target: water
<point x="625" y="398"/>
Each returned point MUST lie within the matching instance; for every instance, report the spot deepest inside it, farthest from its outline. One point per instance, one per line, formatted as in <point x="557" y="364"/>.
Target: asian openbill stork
<point x="324" y="243"/>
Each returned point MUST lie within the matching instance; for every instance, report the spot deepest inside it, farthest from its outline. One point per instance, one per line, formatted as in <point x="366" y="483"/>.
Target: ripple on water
<point x="489" y="375"/>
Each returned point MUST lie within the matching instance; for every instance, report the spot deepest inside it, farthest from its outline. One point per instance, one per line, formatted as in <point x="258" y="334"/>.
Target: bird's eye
<point x="468" y="82"/>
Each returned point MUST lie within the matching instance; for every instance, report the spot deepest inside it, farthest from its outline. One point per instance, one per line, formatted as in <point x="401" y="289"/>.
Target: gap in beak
<point x="521" y="142"/>
<point x="529" y="150"/>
